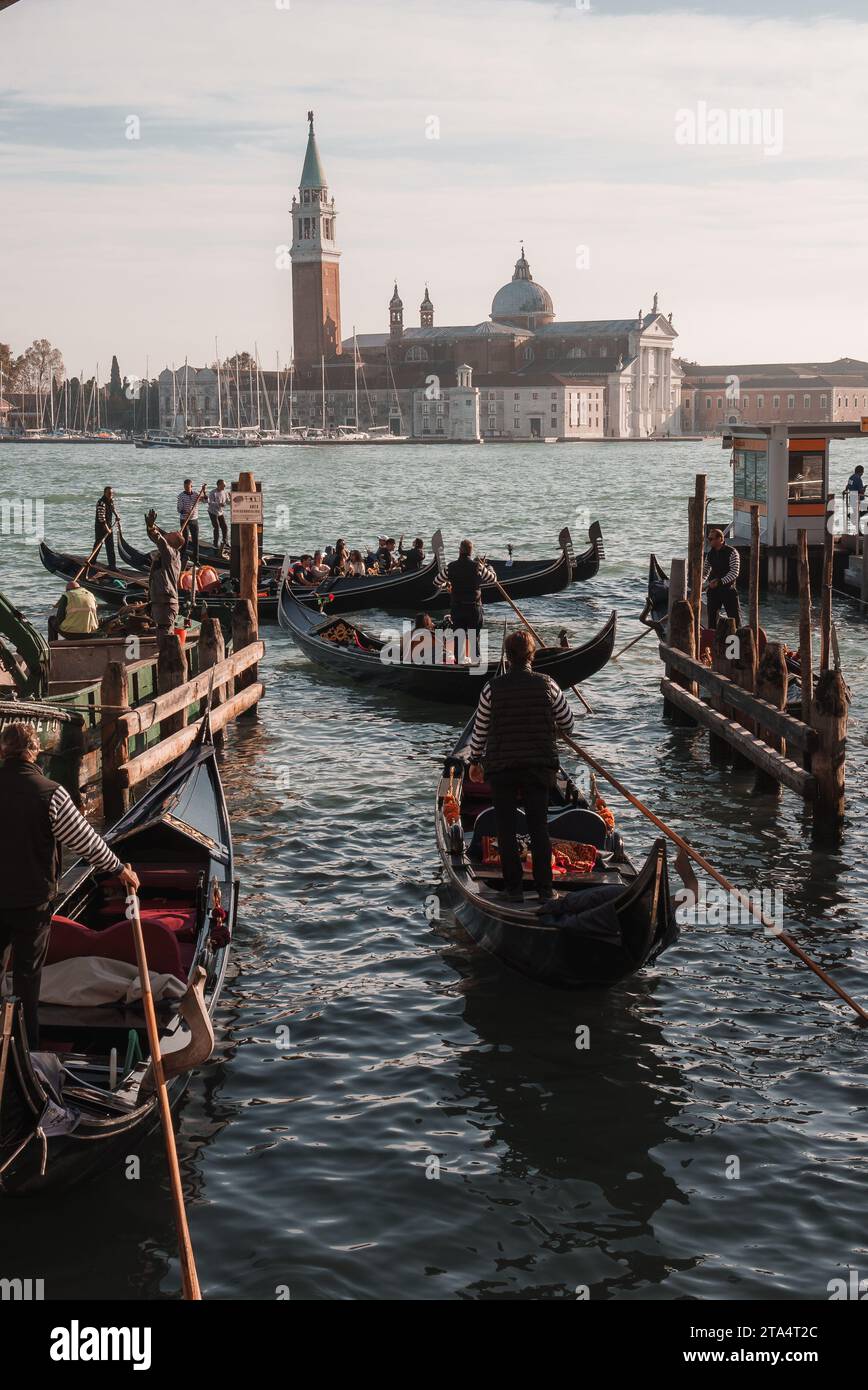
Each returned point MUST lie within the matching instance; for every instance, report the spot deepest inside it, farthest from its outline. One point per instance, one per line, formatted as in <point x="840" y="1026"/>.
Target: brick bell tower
<point x="316" y="276"/>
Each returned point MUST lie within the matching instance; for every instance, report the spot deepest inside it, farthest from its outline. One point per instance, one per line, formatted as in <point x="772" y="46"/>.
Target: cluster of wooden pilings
<point x="740" y="696"/>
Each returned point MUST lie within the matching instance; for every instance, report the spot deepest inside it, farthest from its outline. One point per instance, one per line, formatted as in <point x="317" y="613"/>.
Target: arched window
<point x="416" y="354"/>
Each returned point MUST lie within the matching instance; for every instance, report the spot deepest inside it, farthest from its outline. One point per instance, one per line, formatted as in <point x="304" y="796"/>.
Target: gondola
<point x="603" y="926"/>
<point x="208" y="555"/>
<point x="85" y="1100"/>
<point x="530" y="578"/>
<point x="347" y="650"/>
<point x="24" y="655"/>
<point x="111" y="586"/>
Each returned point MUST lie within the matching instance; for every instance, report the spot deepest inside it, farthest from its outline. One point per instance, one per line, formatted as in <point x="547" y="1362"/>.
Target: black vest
<point x="465" y="580"/>
<point x="29" y="853"/>
<point x="522" y="729"/>
<point x="719" y="561"/>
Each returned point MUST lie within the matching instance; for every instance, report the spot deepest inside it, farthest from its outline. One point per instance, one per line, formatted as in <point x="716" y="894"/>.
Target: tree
<point x="244" y="361"/>
<point x="117" y="406"/>
<point x="40" y="365"/>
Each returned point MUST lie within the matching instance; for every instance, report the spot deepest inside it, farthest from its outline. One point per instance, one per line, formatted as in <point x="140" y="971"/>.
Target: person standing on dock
<point x="218" y="501"/>
<point x="188" y="511"/>
<point x="722" y="564"/>
<point x="515" y="732"/>
<point x="165" y="574"/>
<point x="103" y="526"/>
<point x="854" y="496"/>
<point x="466" y="577"/>
<point x="37" y="817"/>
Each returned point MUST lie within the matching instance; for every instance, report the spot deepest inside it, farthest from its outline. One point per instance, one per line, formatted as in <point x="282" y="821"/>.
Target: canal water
<point x="389" y="1115"/>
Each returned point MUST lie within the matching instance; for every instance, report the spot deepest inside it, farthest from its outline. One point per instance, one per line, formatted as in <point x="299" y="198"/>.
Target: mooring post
<point x="697" y="555"/>
<point x="212" y="649"/>
<point x="114" y="698"/>
<point x="754" y="575"/>
<point x="681" y="627"/>
<point x="743" y="673"/>
<point x="772" y="682"/>
<point x="245" y="618"/>
<point x="806" y="640"/>
<point x="171" y="672"/>
<point x="719" y="750"/>
<point x="829" y="719"/>
<point x="826" y="597"/>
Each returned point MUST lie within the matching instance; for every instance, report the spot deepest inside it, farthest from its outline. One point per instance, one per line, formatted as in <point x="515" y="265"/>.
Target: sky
<point x="599" y="132"/>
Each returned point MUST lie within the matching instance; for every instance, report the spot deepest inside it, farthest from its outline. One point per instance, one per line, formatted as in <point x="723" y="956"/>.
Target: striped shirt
<point x="732" y="572"/>
<point x="72" y="831"/>
<point x="188" y="505"/>
<point x="563" y="717"/>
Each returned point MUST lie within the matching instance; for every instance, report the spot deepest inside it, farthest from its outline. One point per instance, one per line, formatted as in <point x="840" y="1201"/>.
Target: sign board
<point x="247" y="507"/>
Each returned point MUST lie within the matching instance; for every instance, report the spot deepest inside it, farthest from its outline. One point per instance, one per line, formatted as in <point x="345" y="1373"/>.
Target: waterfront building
<point x="778" y="393"/>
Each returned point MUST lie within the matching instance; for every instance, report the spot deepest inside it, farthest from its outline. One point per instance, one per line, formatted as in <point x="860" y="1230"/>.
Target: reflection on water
<point x="709" y="1142"/>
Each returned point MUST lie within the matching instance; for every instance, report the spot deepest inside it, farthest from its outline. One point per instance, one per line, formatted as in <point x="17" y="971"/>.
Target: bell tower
<point x="316" y="276"/>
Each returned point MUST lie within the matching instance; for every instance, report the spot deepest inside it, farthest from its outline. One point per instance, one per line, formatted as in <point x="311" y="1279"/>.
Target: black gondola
<point x="347" y="650"/>
<point x="208" y="555"/>
<point x="61" y="1118"/>
<point x="111" y="586"/>
<point x="611" y="921"/>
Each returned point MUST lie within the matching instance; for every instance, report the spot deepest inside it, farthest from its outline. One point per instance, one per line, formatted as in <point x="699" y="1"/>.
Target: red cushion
<point x="172" y="878"/>
<point x="177" y="917"/>
<point x="70" y="939"/>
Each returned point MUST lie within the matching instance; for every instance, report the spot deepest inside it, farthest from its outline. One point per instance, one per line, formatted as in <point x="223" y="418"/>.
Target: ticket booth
<point x="786" y="473"/>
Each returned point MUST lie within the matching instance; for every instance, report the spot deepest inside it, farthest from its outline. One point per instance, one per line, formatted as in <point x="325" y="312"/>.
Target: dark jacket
<point x="521" y="732"/>
<point x="29" y="853"/>
<point x="720" y="562"/>
<point x="106" y="515"/>
<point x="466" y="577"/>
<point x="165" y="573"/>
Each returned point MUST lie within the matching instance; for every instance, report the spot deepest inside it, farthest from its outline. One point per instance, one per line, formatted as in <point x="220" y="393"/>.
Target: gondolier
<point x="466" y="577"/>
<point x="188" y="512"/>
<point x="165" y="574"/>
<point x="721" y="575"/>
<point x="103" y="524"/>
<point x="515" y="733"/>
<point x="218" y="500"/>
<point x="37" y="817"/>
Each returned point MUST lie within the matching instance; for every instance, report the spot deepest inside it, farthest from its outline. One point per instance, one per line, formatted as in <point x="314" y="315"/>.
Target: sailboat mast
<point x="147" y="390"/>
<point x="355" y="380"/>
<point x="219" y="390"/>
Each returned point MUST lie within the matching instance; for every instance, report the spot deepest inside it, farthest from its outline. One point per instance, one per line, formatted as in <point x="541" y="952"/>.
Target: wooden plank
<point x="697" y="553"/>
<point x="806" y="648"/>
<point x="138" y="721"/>
<point x="757" y="752"/>
<point x="797" y="734"/>
<point x="114" y="695"/>
<point x="151" y="761"/>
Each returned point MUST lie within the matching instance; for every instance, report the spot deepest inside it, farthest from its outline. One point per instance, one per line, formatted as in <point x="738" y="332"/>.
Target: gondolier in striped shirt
<point x="103" y="523"/>
<point x="515" y="734"/>
<point x="37" y="817"/>
<point x="466" y="577"/>
<point x="188" y="512"/>
<point x="721" y="576"/>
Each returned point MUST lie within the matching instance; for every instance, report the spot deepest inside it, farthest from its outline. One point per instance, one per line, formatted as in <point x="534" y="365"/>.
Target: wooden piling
<point x="681" y="628"/>
<point x="806" y="642"/>
<point x="743" y="674"/>
<point x="719" y="750"/>
<point x="114" y="698"/>
<point x="826" y="599"/>
<point x="171" y="672"/>
<point x="245" y="618"/>
<point x="829" y="719"/>
<point x="772" y="681"/>
<point x="754" y="574"/>
<point x="696" y="558"/>
<point x="212" y="650"/>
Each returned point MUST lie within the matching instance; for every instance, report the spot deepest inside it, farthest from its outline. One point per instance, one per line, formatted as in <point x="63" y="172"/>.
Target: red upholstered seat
<point x="171" y="878"/>
<point x="70" y="939"/>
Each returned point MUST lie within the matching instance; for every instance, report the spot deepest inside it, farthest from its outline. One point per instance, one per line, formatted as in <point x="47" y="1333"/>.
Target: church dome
<point x="522" y="297"/>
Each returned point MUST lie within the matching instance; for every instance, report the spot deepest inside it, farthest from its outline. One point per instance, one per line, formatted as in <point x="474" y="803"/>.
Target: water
<point x="711" y="1140"/>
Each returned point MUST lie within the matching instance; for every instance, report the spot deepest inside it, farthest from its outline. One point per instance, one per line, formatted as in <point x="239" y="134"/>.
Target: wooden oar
<point x="189" y="1277"/>
<point x="708" y="868"/>
<point x="201" y="493"/>
<point x="633" y="643"/>
<point x="95" y="551"/>
<point x="539" y="641"/>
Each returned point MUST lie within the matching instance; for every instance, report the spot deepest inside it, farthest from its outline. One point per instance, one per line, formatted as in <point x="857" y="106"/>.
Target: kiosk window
<point x="806" y="477"/>
<point x="750" y="475"/>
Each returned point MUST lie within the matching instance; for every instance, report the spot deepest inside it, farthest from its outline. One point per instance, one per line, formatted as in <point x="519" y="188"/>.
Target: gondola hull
<point x="177" y="833"/>
<point x="595" y="945"/>
<point x="361" y="658"/>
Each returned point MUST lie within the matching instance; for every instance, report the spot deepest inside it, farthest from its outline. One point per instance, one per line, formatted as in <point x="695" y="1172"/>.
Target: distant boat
<point x="163" y="441"/>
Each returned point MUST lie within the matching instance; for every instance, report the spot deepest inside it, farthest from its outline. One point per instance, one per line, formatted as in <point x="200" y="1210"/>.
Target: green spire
<point x="312" y="174"/>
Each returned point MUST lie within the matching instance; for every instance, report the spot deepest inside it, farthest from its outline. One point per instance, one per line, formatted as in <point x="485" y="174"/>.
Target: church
<point x="537" y="377"/>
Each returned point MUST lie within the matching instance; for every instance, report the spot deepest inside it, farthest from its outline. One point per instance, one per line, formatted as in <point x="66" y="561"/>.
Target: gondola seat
<point x="584" y="827"/>
<point x="486" y="825"/>
<point x="70" y="939"/>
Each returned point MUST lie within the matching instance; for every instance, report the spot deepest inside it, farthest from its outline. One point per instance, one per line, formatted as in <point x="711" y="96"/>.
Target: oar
<point x="633" y="642"/>
<point x="539" y="641"/>
<point x="189" y="1277"/>
<point x="202" y="491"/>
<point x="703" y="863"/>
<point x="96" y="549"/>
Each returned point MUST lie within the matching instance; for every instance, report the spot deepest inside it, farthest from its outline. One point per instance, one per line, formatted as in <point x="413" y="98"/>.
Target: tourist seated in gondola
<point x="355" y="564"/>
<point x="418" y="644"/>
<point x="319" y="569"/>
<point x="414" y="558"/>
<point x="515" y="733"/>
<point x="337" y="561"/>
<point x="301" y="573"/>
